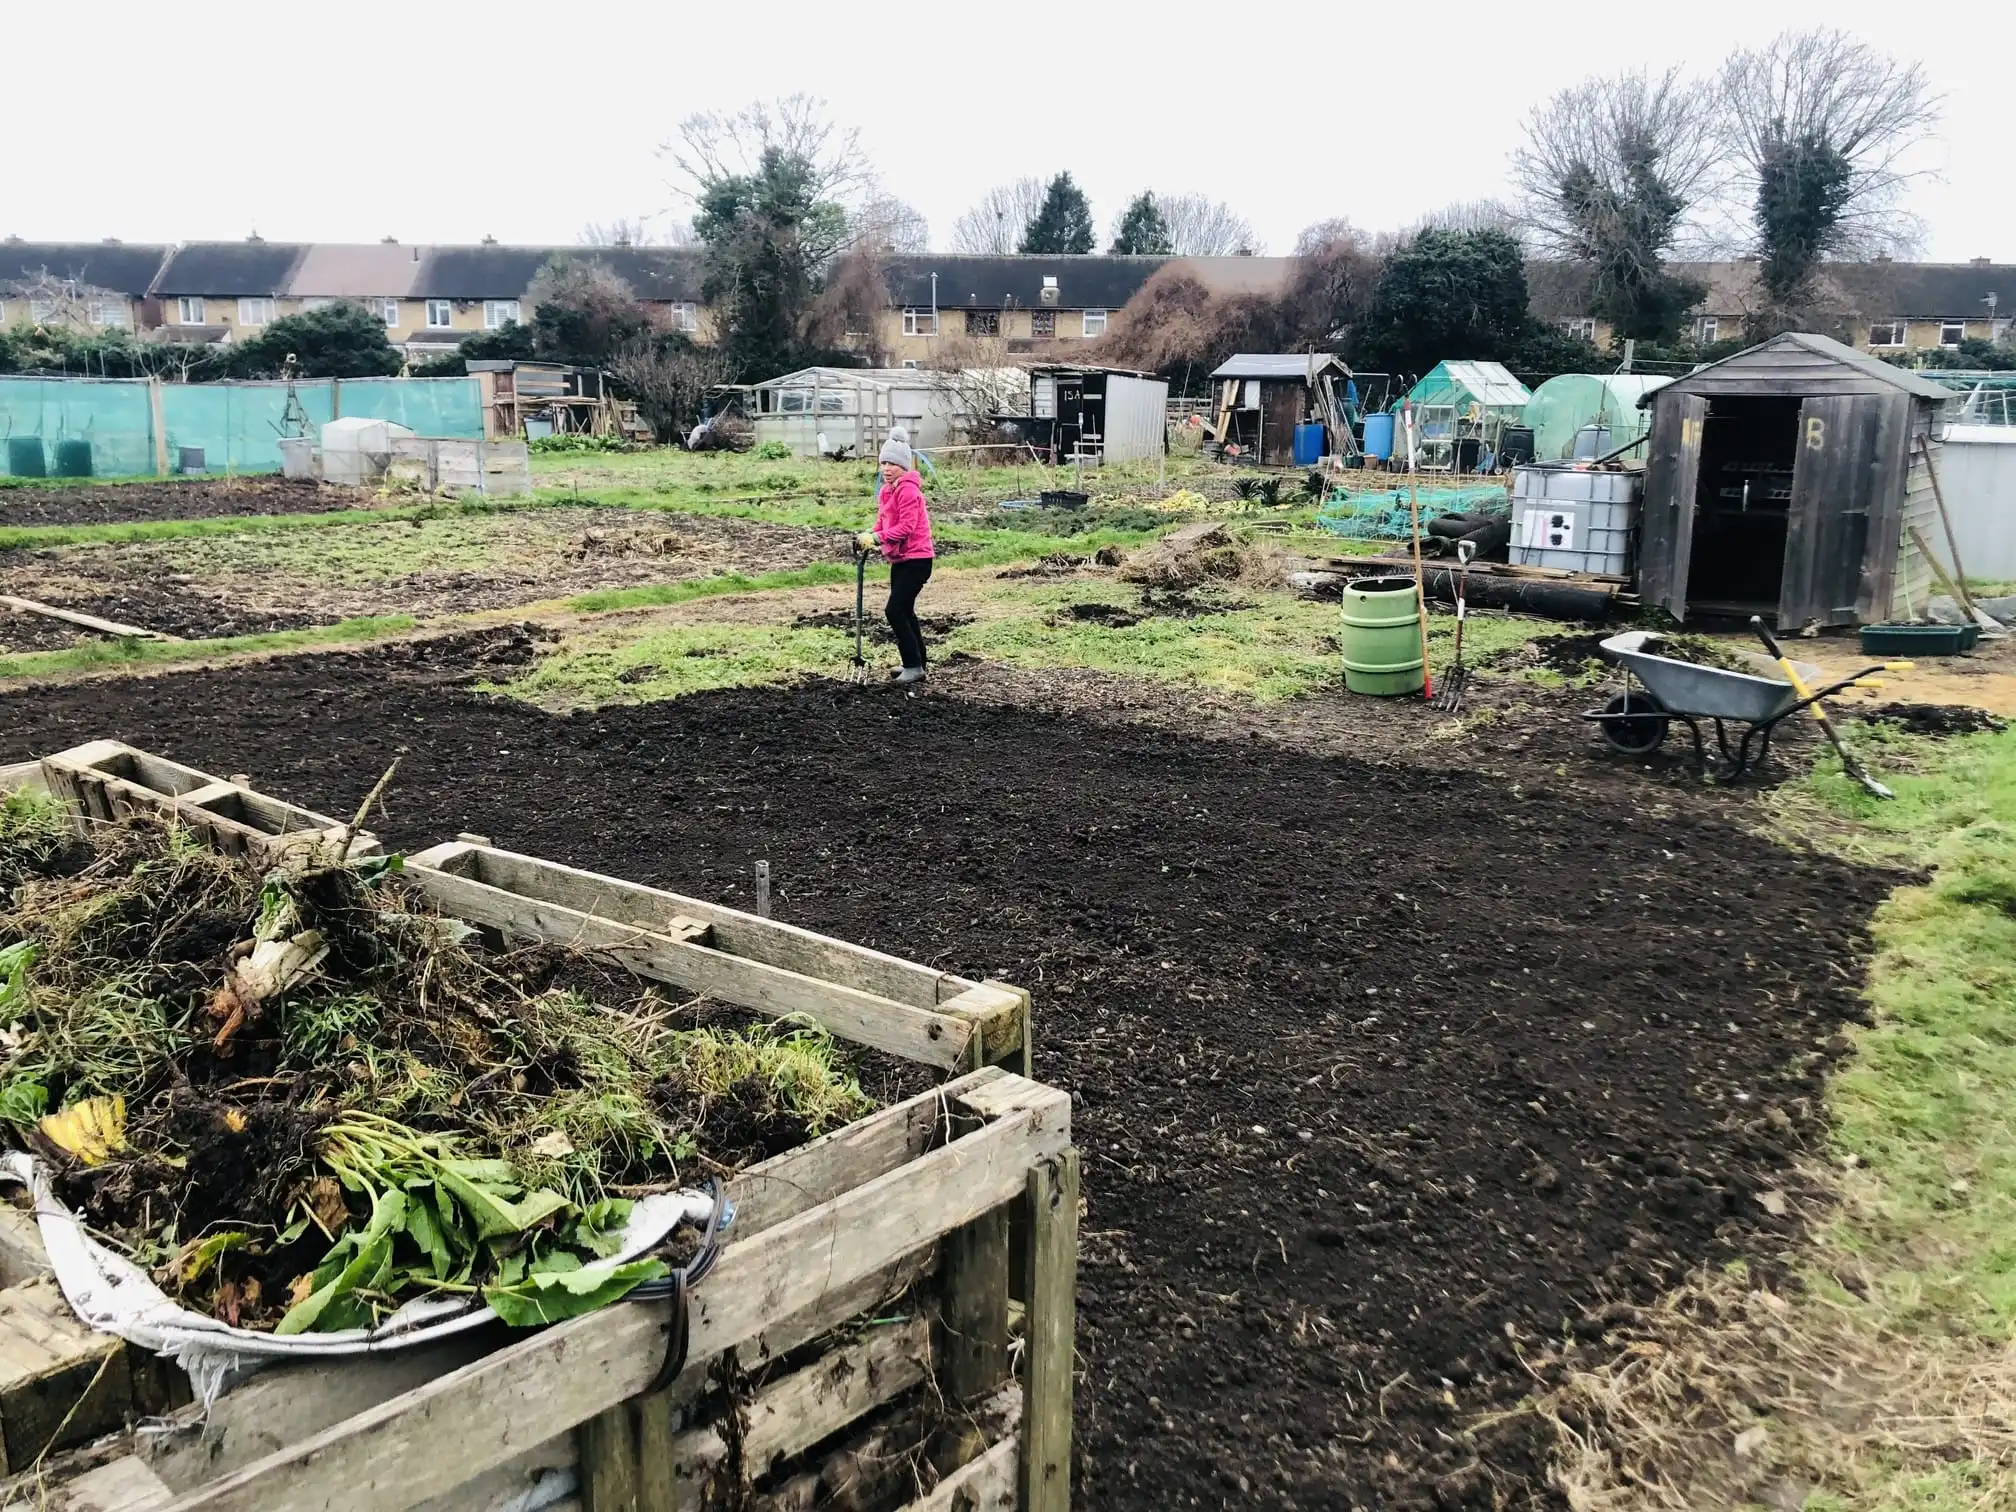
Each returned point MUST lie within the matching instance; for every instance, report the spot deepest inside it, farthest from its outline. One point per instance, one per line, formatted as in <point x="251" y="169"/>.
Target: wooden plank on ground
<point x="924" y="1035"/>
<point x="124" y="1485"/>
<point x="397" y="1455"/>
<point x="85" y="621"/>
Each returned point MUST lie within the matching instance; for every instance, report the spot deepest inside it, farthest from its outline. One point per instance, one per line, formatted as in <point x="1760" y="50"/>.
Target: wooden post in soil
<point x="1050" y="1328"/>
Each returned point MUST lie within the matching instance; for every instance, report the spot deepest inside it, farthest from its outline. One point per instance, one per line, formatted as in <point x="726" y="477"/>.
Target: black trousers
<point x="906" y="581"/>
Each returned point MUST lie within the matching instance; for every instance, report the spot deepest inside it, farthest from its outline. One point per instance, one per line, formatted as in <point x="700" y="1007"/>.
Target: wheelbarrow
<point x="1636" y="720"/>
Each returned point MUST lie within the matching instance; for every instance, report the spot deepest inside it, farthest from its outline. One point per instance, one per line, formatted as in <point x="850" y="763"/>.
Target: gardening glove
<point x="866" y="542"/>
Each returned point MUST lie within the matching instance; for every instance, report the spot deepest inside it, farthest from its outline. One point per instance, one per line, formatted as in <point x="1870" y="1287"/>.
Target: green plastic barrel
<point x="1382" y="636"/>
<point x="24" y="457"/>
<point x="73" y="459"/>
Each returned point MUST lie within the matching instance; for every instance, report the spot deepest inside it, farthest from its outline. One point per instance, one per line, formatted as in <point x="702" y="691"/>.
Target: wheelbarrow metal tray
<point x="1708" y="692"/>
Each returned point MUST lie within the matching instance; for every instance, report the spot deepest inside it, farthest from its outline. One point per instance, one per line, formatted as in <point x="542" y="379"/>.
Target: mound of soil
<point x="1110" y="615"/>
<point x="1935" y="720"/>
<point x="37" y="632"/>
<point x="1566" y="653"/>
<point x="193" y="499"/>
<point x="1372" y="1109"/>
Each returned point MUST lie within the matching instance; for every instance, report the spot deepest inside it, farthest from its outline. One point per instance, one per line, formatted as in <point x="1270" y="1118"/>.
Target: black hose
<point x="682" y="1280"/>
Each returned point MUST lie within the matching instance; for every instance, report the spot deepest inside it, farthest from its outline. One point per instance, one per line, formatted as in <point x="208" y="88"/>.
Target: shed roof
<point x="1294" y="365"/>
<point x="114" y="266"/>
<point x="1799" y="363"/>
<point x="224" y="269"/>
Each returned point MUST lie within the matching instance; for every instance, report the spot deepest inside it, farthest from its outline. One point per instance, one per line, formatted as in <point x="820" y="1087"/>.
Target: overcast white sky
<point x="449" y="120"/>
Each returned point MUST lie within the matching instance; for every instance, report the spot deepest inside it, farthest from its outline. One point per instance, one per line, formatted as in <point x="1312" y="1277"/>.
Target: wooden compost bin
<point x="869" y="1286"/>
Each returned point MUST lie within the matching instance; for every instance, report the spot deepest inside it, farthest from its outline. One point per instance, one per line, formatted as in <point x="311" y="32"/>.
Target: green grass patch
<point x="657" y="595"/>
<point x="133" y="652"/>
<point x="607" y="667"/>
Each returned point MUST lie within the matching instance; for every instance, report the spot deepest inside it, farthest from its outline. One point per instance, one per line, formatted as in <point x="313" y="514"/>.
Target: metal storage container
<point x="1576" y="519"/>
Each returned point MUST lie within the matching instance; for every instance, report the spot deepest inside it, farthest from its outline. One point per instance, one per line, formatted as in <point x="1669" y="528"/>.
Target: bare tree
<point x="662" y="229"/>
<point x="995" y="226"/>
<point x="1823" y="127"/>
<point x="669" y="381"/>
<point x="1203" y="227"/>
<point x="1609" y="173"/>
<point x="713" y="147"/>
<point x="891" y="225"/>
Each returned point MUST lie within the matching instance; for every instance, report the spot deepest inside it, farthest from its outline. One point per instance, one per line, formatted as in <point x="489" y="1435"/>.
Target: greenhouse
<point x="1461" y="411"/>
<point x="1602" y="410"/>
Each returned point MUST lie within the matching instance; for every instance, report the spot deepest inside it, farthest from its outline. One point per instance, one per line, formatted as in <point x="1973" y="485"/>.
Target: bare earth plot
<point x="1389" y="1075"/>
<point x="456" y="563"/>
<point x="182" y="499"/>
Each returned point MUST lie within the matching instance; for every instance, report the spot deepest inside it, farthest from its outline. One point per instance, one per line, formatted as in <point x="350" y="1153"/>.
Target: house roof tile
<point x="117" y="267"/>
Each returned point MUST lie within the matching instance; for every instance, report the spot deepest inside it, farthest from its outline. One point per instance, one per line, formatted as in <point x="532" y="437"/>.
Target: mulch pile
<point x="1388" y="1078"/>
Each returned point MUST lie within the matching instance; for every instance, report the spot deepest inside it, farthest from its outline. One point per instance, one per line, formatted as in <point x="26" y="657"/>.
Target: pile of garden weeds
<point x="303" y="1097"/>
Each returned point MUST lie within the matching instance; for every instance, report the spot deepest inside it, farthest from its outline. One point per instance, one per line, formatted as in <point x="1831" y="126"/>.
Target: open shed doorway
<point x="1743" y="506"/>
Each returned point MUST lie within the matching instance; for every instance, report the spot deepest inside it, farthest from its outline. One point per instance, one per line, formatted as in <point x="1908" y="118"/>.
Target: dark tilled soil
<point x="1935" y="720"/>
<point x="175" y="610"/>
<point x="1385" y="1076"/>
<point x="196" y="499"/>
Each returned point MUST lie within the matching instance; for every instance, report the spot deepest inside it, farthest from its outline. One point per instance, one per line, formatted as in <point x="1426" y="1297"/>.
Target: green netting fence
<point x="105" y="427"/>
<point x="1383" y="515"/>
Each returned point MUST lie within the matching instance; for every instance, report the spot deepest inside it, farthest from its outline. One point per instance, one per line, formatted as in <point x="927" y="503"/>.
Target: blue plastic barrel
<point x="1379" y="437"/>
<point x="1308" y="444"/>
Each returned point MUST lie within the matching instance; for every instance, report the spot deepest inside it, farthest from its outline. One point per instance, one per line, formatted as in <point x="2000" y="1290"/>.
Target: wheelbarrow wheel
<point x="1635" y="723"/>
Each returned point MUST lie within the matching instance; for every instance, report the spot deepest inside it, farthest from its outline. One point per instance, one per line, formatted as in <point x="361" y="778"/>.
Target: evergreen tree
<point x="1064" y="224"/>
<point x="1447" y="294"/>
<point x="341" y="340"/>
<point x="1142" y="232"/>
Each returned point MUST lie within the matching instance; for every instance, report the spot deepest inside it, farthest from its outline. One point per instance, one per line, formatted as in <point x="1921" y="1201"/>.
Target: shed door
<point x="1666" y="529"/>
<point x="1845" y="477"/>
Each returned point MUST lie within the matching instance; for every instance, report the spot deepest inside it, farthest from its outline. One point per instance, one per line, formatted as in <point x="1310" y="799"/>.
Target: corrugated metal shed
<point x="1296" y="365"/>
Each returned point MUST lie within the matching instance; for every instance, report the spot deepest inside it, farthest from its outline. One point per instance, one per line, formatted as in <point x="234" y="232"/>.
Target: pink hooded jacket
<point x="901" y="521"/>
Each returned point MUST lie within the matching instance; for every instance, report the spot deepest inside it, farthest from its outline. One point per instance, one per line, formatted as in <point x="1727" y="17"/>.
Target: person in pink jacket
<point x="902" y="534"/>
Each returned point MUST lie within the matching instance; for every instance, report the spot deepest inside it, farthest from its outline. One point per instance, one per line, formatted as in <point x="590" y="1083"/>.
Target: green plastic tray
<point x="1917" y="640"/>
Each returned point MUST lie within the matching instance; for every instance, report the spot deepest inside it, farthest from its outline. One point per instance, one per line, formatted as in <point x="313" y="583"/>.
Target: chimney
<point x="388" y="241"/>
<point x="489" y="241"/>
<point x="112" y="241"/>
<point x="1980" y="262"/>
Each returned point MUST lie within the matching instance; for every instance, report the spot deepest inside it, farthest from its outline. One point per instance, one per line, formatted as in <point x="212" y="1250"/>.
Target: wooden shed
<point x="1786" y="481"/>
<point x="1262" y="396"/>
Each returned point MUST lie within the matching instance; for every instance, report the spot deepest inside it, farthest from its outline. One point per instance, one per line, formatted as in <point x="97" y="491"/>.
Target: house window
<point x="107" y="312"/>
<point x="1583" y="329"/>
<point x="1952" y="332"/>
<point x="1095" y="323"/>
<point x="440" y="315"/>
<point x="686" y="316"/>
<point x="1042" y="323"/>
<point x="1888" y="334"/>
<point x="920" y="322"/>
<point x="983" y="322"/>
<point x="1705" y="330"/>
<point x="255" y="312"/>
<point x="498" y="313"/>
<point x="910" y="362"/>
<point x="189" y="311"/>
<point x="41" y="309"/>
<point x="388" y="310"/>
